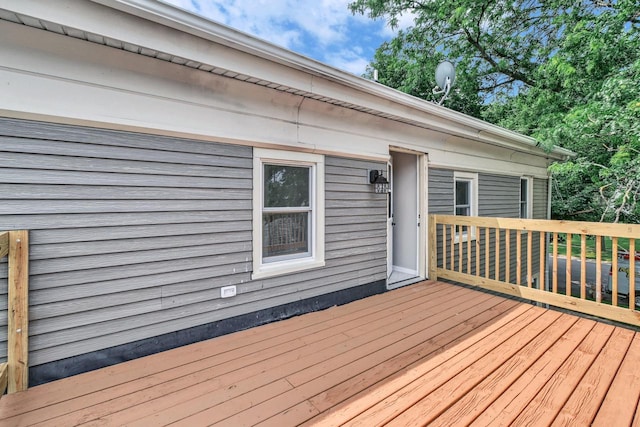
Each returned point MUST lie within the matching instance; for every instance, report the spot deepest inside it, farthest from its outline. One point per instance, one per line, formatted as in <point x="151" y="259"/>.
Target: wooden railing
<point x="14" y="374"/>
<point x="514" y="256"/>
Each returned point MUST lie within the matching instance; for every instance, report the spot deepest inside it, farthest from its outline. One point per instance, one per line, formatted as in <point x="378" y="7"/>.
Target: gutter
<point x="187" y="22"/>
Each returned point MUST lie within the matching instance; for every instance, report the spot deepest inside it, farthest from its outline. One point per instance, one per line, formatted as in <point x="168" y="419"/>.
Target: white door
<point x="390" y="221"/>
<point x="404" y="216"/>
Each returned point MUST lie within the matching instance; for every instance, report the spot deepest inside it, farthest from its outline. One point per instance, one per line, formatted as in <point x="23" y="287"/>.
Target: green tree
<point x="403" y="63"/>
<point x="564" y="72"/>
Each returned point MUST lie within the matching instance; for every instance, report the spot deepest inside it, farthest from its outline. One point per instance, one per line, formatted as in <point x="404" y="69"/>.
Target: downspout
<point x="546" y="261"/>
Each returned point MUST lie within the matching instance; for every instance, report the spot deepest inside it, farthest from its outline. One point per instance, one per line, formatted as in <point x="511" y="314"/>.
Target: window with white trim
<point x="465" y="197"/>
<point x="288" y="212"/>
<point x="526" y="198"/>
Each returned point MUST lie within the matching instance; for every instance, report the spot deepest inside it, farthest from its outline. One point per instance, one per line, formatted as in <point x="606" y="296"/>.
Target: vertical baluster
<point x="507" y="255"/>
<point x="478" y="251"/>
<point x="543" y="260"/>
<point x="497" y="272"/>
<point x="469" y="250"/>
<point x="444" y="246"/>
<point x="486" y="253"/>
<point x="583" y="266"/>
<point x="519" y="257"/>
<point x="568" y="266"/>
<point x="598" y="268"/>
<point x="529" y="261"/>
<point x="555" y="263"/>
<point x="460" y="247"/>
<point x="632" y="274"/>
<point x="453" y="247"/>
<point x="614" y="268"/>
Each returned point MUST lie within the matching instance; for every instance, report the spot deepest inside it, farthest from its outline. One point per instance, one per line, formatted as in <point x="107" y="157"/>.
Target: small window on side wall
<point x="465" y="196"/>
<point x="526" y="198"/>
<point x="288" y="212"/>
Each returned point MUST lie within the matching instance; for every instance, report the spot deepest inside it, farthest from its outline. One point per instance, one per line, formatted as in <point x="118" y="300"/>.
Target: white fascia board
<point x="183" y="20"/>
<point x="329" y="82"/>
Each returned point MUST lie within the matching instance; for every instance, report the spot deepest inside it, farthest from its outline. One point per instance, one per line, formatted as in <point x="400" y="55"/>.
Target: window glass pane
<point x="285" y="234"/>
<point x="462" y="192"/>
<point x="463" y="210"/>
<point x="523" y="198"/>
<point x="523" y="190"/>
<point x="286" y="186"/>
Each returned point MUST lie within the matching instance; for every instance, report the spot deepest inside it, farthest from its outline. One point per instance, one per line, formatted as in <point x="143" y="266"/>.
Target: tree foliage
<point x="566" y="72"/>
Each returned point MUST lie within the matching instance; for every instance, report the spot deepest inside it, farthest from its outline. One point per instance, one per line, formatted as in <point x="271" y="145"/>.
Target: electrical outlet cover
<point x="227" y="291"/>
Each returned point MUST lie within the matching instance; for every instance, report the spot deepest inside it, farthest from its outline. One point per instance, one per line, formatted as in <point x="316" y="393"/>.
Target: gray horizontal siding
<point x="133" y="235"/>
<point x="440" y="191"/>
<point x="498" y="196"/>
<point x="123" y="227"/>
<point x="540" y="198"/>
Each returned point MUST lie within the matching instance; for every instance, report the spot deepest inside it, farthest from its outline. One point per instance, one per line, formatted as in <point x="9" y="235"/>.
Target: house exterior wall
<point x="134" y="177"/>
<point x="132" y="236"/>
<point x="498" y="196"/>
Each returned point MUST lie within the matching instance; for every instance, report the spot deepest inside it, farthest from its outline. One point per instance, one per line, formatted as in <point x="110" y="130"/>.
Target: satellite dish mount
<point x="445" y="78"/>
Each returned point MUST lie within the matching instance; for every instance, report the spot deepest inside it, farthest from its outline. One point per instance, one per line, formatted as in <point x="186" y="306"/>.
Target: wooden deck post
<point x="433" y="247"/>
<point x="18" y="312"/>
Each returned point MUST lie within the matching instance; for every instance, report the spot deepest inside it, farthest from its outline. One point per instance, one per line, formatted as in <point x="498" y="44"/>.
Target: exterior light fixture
<point x="380" y="183"/>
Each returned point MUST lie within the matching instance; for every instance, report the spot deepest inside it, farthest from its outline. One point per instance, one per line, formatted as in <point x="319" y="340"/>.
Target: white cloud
<point x="322" y="29"/>
<point x="348" y="60"/>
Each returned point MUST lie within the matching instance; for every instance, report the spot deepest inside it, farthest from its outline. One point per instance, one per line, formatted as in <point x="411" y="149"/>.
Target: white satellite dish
<point x="445" y="78"/>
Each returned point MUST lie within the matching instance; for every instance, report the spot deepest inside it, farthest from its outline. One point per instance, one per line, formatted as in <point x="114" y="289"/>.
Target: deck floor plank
<point x="516" y="397"/>
<point x="620" y="403"/>
<point x="543" y="409"/>
<point x="437" y="401"/>
<point x="362" y="359"/>
<point x="82" y="384"/>
<point x="475" y="400"/>
<point x="373" y="336"/>
<point x="184" y="376"/>
<point x="360" y="402"/>
<point x="582" y="406"/>
<point x="178" y="399"/>
<point x="429" y="348"/>
<point x="394" y="404"/>
<point x="427" y="353"/>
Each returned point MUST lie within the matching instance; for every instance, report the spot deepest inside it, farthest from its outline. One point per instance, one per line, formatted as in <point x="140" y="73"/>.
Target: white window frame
<point x="286" y="265"/>
<point x="472" y="178"/>
<point x="529" y="201"/>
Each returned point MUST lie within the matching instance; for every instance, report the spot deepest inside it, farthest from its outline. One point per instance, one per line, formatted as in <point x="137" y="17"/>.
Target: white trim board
<point x="135" y="22"/>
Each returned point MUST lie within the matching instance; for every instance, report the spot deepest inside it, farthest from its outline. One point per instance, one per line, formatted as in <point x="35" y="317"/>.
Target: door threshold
<point x="405" y="282"/>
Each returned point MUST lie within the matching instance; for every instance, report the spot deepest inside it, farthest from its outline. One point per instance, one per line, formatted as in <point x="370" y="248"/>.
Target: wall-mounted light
<point x="380" y="183"/>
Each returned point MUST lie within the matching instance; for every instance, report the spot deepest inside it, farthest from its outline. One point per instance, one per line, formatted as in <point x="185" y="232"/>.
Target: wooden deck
<point x="431" y="353"/>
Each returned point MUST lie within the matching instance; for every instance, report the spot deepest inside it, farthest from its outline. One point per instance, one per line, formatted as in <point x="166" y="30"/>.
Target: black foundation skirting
<point x="58" y="369"/>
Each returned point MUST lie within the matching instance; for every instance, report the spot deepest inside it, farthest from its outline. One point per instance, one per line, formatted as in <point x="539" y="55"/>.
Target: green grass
<point x="623" y="243"/>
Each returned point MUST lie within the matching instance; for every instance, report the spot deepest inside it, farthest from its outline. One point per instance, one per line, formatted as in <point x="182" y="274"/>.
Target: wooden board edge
<point x="575" y="227"/>
<point x="4" y="244"/>
<point x="592" y="308"/>
<point x="18" y="312"/>
<point x="4" y="377"/>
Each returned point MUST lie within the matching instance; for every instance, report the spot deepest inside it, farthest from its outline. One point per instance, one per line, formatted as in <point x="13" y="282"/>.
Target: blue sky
<point x="324" y="30"/>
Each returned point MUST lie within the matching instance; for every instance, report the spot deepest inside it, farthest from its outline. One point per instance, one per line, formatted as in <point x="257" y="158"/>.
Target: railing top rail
<point x="4" y="243"/>
<point x="553" y="226"/>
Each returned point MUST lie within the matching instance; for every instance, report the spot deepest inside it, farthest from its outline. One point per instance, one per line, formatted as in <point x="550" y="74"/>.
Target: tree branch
<point x="485" y="55"/>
